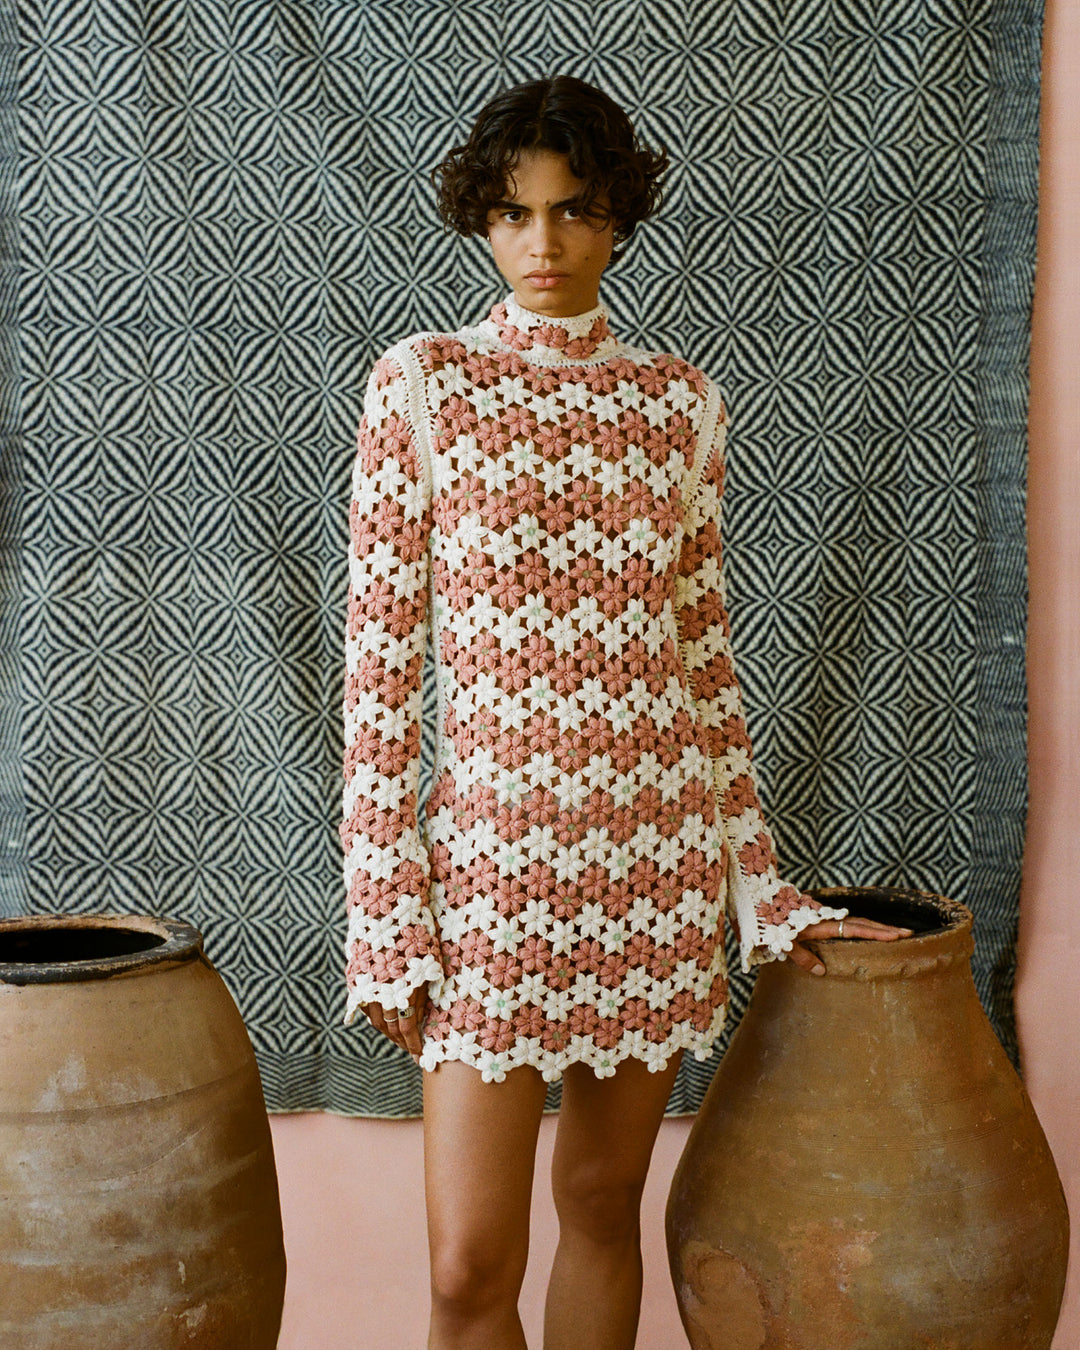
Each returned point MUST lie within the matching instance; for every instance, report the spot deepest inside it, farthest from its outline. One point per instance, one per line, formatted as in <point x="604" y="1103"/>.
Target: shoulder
<point x="664" y="373"/>
<point x="428" y="352"/>
<point x="434" y="348"/>
<point x="403" y="364"/>
<point x="394" y="362"/>
<point x="678" y="390"/>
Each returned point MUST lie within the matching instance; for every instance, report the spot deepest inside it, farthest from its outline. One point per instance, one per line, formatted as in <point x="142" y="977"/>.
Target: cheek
<point x="601" y="250"/>
<point x="500" y="242"/>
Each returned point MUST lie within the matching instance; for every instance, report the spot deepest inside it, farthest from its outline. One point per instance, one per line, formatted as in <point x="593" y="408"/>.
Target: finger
<point x="410" y="1033"/>
<point x="386" y="1021"/>
<point x="871" y="930"/>
<point x="375" y="1015"/>
<point x="402" y="1028"/>
<point x="805" y="959"/>
<point x="853" y="927"/>
<point x="398" y="1029"/>
<point x="419" y="1004"/>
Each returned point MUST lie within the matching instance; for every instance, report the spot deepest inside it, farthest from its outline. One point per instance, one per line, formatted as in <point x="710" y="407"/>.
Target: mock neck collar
<point x="578" y="337"/>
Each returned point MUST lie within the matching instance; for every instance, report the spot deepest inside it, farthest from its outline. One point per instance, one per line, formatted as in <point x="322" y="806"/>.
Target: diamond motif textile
<point x="215" y="216"/>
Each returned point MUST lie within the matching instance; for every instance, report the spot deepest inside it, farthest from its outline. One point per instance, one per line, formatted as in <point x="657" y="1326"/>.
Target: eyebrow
<point x="520" y="206"/>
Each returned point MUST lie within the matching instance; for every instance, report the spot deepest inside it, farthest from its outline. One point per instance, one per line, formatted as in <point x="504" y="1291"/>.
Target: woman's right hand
<point x="401" y="1026"/>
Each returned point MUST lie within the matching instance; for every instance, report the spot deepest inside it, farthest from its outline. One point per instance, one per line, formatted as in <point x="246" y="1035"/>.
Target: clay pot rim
<point x="175" y="942"/>
<point x="947" y="943"/>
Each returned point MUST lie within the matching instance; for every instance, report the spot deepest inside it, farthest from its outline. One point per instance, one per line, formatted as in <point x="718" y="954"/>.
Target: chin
<point x="553" y="304"/>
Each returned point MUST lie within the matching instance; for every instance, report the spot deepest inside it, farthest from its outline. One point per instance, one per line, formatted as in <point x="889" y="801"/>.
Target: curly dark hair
<point x="621" y="177"/>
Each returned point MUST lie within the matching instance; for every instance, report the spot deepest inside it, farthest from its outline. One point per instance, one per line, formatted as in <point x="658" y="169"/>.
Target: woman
<point x="544" y="502"/>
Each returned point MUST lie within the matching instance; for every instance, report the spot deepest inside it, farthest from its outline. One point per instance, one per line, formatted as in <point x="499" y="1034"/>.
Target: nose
<point x="544" y="238"/>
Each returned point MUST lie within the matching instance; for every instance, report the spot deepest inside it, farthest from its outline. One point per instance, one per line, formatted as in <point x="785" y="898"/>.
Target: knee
<point x="470" y="1278"/>
<point x="603" y="1208"/>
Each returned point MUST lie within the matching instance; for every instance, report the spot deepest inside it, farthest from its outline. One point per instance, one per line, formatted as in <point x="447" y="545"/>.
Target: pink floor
<point x="352" y="1191"/>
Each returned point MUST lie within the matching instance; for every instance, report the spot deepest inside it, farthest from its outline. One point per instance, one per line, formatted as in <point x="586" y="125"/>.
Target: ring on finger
<point x="841" y="931"/>
<point x="408" y="1014"/>
<point x="389" y="1020"/>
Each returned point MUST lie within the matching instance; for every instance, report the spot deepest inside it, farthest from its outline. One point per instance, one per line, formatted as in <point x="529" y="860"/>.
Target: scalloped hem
<point x="527" y="1052"/>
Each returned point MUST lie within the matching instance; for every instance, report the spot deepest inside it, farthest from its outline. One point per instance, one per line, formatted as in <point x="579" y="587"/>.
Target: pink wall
<point x="1048" y="992"/>
<point x="352" y="1196"/>
<point x="352" y="1190"/>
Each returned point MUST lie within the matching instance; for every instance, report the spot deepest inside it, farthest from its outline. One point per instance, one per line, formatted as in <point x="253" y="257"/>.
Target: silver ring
<point x="388" y="1020"/>
<point x="841" y="932"/>
<point x="407" y="1015"/>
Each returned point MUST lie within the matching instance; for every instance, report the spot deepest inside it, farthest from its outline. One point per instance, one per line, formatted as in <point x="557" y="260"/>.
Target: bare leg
<point x="607" y="1128"/>
<point x="479" y="1156"/>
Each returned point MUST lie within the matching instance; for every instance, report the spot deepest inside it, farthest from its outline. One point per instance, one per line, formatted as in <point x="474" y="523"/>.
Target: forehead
<point x="540" y="177"/>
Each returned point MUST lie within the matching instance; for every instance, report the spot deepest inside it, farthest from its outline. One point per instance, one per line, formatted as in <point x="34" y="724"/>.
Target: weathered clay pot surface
<point x="866" y="1172"/>
<point x="138" y="1196"/>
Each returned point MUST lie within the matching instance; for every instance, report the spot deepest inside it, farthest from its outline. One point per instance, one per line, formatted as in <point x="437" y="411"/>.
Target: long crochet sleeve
<point x="391" y="946"/>
<point x="767" y="913"/>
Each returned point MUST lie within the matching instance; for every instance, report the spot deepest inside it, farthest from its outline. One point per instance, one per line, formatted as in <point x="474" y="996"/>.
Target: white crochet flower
<point x="629" y="394"/>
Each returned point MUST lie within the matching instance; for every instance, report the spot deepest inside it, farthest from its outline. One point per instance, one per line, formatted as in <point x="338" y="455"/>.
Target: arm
<point x="767" y="914"/>
<point x="392" y="947"/>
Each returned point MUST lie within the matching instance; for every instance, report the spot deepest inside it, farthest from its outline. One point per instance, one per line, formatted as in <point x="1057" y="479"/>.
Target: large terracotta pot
<point x="867" y="1172"/>
<point x="138" y="1197"/>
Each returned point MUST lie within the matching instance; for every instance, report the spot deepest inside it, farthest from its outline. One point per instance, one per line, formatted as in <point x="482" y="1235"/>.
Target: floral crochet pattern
<point x="546" y="501"/>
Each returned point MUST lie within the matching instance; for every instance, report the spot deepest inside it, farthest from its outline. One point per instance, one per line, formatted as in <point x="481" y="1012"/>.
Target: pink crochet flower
<point x="635" y="1014"/>
<point x="741" y="796"/>
<point x="529" y="496"/>
<point x="613" y="970"/>
<point x="476" y="948"/>
<point x="607" y="1033"/>
<point x="562" y="593"/>
<point x="557" y="515"/>
<point x="535" y="955"/>
<point x="503" y="970"/>
<point x="617" y="899"/>
<point x="541" y="881"/>
<point x="560" y="973"/>
<point x="584" y="1020"/>
<point x="682" y="1007"/>
<point x="757" y="857"/>
<point x="785" y="900"/>
<point x="529" y="1021"/>
<point x="639" y="950"/>
<point x="556" y="1037"/>
<point x="594" y="885"/>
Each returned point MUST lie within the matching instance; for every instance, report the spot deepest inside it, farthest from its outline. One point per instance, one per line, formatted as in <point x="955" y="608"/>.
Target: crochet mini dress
<point x="540" y="504"/>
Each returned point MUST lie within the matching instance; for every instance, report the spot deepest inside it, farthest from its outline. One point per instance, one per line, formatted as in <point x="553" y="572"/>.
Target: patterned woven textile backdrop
<point x="222" y="215"/>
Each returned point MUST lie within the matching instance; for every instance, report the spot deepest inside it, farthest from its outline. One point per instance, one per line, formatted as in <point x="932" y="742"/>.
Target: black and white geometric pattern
<point x="223" y="215"/>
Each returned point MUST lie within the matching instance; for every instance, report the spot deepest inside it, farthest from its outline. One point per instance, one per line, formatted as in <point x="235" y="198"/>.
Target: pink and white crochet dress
<point x="547" y="500"/>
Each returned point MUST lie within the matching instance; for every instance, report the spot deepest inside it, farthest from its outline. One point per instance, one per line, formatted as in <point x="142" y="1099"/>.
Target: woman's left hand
<point x="851" y="927"/>
<point x="401" y="1025"/>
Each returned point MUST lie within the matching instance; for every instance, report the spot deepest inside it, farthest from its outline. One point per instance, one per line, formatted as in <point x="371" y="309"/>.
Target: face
<point x="551" y="255"/>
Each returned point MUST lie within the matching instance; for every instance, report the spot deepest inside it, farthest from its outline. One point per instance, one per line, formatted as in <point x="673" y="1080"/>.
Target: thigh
<point x="607" y="1129"/>
<point x="479" y="1155"/>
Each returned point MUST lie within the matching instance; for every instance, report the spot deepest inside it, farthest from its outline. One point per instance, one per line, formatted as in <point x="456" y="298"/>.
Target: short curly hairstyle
<point x="621" y="176"/>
